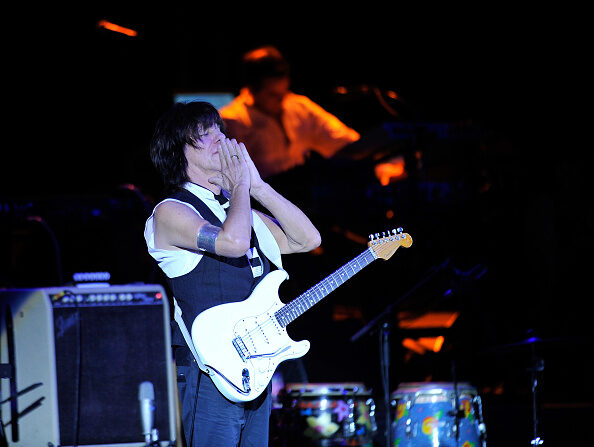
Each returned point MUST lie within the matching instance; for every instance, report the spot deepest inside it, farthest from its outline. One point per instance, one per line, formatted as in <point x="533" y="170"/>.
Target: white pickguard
<point x="252" y="324"/>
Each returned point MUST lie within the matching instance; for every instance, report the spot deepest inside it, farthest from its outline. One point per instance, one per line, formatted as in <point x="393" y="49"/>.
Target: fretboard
<point x="290" y="311"/>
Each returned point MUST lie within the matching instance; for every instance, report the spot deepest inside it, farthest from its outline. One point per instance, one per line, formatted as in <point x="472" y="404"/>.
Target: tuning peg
<point x="399" y="230"/>
<point x="377" y="235"/>
<point x="371" y="237"/>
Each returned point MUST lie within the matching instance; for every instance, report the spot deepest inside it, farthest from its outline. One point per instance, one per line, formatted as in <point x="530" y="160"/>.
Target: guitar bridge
<point x="241" y="349"/>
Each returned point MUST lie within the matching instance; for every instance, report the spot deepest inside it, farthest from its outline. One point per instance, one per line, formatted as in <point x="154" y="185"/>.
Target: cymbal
<point x="533" y="341"/>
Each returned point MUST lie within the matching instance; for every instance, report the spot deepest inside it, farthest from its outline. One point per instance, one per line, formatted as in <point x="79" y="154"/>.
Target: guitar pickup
<point x="241" y="349"/>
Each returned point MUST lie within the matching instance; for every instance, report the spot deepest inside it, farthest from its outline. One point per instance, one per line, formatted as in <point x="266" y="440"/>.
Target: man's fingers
<point x="232" y="152"/>
<point x="235" y="151"/>
<point x="222" y="158"/>
<point x="244" y="152"/>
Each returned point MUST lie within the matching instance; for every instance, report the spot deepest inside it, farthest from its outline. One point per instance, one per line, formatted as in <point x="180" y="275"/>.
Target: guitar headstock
<point x="386" y="244"/>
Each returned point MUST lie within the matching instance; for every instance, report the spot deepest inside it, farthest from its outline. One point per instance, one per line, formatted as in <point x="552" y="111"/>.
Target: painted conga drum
<point x="425" y="415"/>
<point x="330" y="414"/>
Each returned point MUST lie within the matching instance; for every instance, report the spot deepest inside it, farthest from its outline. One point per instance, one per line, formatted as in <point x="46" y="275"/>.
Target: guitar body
<point x="241" y="344"/>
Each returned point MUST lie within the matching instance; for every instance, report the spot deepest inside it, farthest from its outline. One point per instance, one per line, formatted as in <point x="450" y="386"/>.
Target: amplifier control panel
<point x="107" y="295"/>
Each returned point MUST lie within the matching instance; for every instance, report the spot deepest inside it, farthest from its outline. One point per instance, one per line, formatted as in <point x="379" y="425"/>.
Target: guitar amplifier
<point x="73" y="360"/>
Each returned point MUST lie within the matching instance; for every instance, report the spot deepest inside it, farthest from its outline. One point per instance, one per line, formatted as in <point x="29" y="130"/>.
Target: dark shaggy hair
<point x="181" y="125"/>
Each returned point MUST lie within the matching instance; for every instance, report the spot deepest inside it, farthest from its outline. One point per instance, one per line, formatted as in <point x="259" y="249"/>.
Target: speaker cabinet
<point x="73" y="360"/>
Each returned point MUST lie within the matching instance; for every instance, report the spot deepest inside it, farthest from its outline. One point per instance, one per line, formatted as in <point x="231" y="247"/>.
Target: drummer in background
<point x="280" y="127"/>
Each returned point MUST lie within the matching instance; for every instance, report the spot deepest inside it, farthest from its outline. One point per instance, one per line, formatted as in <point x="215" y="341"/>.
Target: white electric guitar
<point x="241" y="344"/>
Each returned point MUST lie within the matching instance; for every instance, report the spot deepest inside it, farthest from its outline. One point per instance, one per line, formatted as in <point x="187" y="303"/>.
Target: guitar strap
<point x="267" y="245"/>
<point x="177" y="314"/>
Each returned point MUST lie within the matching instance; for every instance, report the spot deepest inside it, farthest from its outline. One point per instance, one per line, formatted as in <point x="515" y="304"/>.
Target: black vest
<point x="216" y="279"/>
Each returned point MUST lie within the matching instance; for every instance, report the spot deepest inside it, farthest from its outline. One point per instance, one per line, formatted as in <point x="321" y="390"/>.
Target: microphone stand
<point x="537" y="366"/>
<point x="385" y="370"/>
<point x="3" y="442"/>
<point x="5" y="373"/>
<point x="381" y="323"/>
<point x="9" y="370"/>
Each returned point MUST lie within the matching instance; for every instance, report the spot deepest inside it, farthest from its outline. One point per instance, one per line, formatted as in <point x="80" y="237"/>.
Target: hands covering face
<point x="237" y="167"/>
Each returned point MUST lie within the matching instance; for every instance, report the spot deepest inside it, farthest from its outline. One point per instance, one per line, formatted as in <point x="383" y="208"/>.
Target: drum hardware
<point x="478" y="406"/>
<point x="385" y="369"/>
<point x="456" y="409"/>
<point x="537" y="366"/>
<point x="408" y="427"/>
<point x="458" y="413"/>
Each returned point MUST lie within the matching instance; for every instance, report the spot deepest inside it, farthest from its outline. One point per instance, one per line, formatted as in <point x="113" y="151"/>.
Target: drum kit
<point x="423" y="414"/>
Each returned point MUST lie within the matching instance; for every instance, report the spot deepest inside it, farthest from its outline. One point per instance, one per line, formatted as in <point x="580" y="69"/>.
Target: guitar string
<point x="295" y="305"/>
<point x="290" y="307"/>
<point x="322" y="288"/>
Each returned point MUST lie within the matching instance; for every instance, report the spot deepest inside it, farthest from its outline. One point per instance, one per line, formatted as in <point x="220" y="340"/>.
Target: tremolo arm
<point x="245" y="355"/>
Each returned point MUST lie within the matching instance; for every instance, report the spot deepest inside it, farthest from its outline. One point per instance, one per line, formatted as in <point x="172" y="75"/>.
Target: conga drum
<point x="329" y="414"/>
<point x="425" y="415"/>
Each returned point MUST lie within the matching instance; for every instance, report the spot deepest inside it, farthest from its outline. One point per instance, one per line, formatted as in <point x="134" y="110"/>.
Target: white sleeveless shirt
<point x="176" y="263"/>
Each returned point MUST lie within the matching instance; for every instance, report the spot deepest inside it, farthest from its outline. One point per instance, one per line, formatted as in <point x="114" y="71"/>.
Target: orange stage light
<point x="116" y="28"/>
<point x="341" y="313"/>
<point x="432" y="343"/>
<point x="350" y="235"/>
<point x="390" y="170"/>
<point x="317" y="251"/>
<point x="428" y="320"/>
<point x="411" y="344"/>
<point x="424" y="344"/>
<point x="392" y="94"/>
<point x="259" y="54"/>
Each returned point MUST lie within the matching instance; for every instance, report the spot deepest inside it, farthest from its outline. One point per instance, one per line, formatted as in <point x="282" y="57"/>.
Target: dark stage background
<point x="496" y="198"/>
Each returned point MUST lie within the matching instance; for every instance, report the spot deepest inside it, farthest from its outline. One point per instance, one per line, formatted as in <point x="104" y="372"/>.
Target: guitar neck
<point x="291" y="311"/>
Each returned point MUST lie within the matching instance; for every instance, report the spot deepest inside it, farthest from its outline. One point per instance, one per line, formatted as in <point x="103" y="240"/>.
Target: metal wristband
<point x="207" y="237"/>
